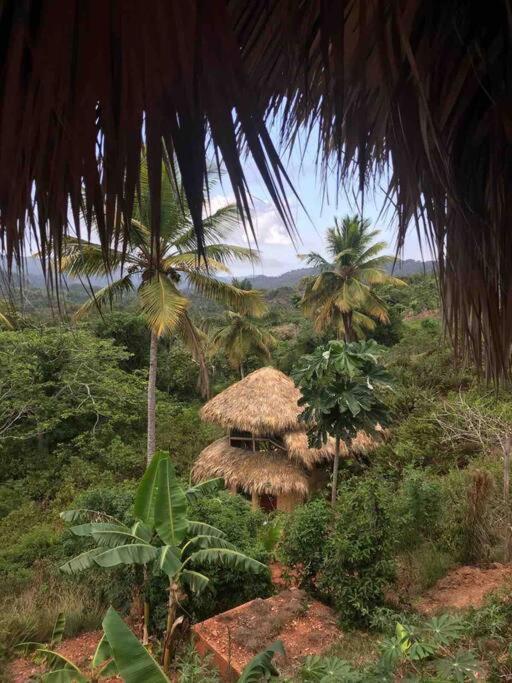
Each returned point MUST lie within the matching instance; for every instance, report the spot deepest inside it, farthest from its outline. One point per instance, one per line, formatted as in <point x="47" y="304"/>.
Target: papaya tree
<point x="163" y="539"/>
<point x="341" y="385"/>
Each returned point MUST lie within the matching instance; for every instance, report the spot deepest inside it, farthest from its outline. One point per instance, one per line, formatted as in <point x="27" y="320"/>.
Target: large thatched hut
<point x="265" y="453"/>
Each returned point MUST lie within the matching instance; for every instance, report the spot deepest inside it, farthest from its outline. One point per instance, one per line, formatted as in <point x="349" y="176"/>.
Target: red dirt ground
<point x="79" y="650"/>
<point x="464" y="587"/>
<point x="310" y="631"/>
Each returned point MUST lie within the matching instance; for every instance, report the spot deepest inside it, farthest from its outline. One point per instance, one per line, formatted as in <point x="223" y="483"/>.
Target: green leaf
<point x="195" y="581"/>
<point x="198" y="528"/>
<point x="321" y="669"/>
<point x="134" y="553"/>
<point x="58" y="629"/>
<point x="142" y="531"/>
<point x="169" y="560"/>
<point x="54" y="660"/>
<point x="134" y="663"/>
<point x="83" y="515"/>
<point x="444" y="629"/>
<point x="206" y="541"/>
<point x="261" y="665"/>
<point x="144" y="508"/>
<point x="171" y="505"/>
<point x="103" y="655"/>
<point x="227" y="558"/>
<point x="204" y="488"/>
<point x="80" y="562"/>
<point x="463" y="666"/>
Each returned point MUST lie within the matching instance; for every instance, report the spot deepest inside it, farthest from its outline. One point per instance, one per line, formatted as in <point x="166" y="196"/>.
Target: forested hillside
<point x="428" y="499"/>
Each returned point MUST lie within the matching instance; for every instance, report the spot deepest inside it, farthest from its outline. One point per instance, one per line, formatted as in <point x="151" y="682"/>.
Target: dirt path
<point x="79" y="650"/>
<point x="464" y="587"/>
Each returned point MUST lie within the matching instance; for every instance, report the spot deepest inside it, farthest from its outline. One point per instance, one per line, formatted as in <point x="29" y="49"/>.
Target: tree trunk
<point x="145" y="625"/>
<point x="152" y="397"/>
<point x="335" y="469"/>
<point x="241" y="370"/>
<point x="348" y="335"/>
<point x="172" y="606"/>
<point x="506" y="445"/>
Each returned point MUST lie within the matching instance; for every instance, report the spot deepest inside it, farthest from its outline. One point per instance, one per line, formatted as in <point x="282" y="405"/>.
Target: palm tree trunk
<point x="335" y="469"/>
<point x="153" y="348"/>
<point x="348" y="327"/>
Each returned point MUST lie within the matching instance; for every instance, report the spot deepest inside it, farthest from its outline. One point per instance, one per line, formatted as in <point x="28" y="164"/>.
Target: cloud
<point x="268" y="226"/>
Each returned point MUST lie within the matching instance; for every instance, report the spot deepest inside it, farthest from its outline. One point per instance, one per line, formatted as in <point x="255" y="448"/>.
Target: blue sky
<point x="278" y="254"/>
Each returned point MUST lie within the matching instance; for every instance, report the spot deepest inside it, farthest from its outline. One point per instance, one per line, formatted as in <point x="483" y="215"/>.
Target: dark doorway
<point x="268" y="502"/>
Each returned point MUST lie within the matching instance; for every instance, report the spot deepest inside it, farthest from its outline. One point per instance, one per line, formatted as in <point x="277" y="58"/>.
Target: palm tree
<point x="241" y="337"/>
<point x="156" y="273"/>
<point x="342" y="294"/>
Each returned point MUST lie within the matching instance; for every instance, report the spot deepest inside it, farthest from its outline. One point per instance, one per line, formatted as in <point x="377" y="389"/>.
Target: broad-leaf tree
<point x="163" y="538"/>
<point x="161" y="272"/>
<point x="241" y="337"/>
<point x="342" y="391"/>
<point x="342" y="295"/>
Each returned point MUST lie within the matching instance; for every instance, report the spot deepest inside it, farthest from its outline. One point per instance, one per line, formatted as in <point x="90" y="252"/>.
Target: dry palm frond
<point x="419" y="89"/>
<point x="260" y="472"/>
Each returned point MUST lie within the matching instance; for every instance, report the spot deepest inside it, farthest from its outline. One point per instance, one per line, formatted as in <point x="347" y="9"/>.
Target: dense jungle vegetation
<point x="431" y="497"/>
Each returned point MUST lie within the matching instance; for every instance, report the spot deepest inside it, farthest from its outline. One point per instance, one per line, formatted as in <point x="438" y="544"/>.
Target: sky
<point x="277" y="251"/>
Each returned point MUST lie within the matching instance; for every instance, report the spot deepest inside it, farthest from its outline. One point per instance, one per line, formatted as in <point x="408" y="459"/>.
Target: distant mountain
<point x="292" y="277"/>
<point x="34" y="274"/>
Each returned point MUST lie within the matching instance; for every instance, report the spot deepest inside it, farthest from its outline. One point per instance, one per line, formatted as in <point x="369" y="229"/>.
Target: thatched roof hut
<point x="267" y="450"/>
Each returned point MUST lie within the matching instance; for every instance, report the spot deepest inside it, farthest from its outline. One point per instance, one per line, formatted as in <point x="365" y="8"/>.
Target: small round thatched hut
<point x="266" y="453"/>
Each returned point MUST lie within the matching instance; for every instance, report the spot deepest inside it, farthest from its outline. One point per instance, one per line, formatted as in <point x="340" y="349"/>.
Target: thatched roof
<point x="297" y="445"/>
<point x="261" y="472"/>
<point x="418" y="87"/>
<point x="265" y="402"/>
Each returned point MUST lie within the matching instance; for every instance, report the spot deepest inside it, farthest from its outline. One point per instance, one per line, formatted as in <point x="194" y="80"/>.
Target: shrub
<point x="358" y="561"/>
<point x="418" y="508"/>
<point x="305" y="535"/>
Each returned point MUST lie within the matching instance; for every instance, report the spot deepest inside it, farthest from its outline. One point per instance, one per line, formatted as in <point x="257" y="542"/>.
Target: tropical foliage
<point x="162" y="537"/>
<point x="341" y="387"/>
<point x="342" y="296"/>
<point x="155" y="272"/>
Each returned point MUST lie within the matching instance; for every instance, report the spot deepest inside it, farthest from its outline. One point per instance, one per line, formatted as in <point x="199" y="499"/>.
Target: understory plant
<point x="120" y="653"/>
<point x="427" y="653"/>
<point x="163" y="540"/>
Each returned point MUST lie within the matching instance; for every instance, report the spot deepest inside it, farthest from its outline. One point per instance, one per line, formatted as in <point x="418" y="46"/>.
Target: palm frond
<point x="194" y="340"/>
<point x="250" y="302"/>
<point x="106" y="296"/>
<point x="162" y="304"/>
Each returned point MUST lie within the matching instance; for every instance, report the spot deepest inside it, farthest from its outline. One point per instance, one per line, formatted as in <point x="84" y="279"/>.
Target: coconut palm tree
<point x="342" y="294"/>
<point x="241" y="337"/>
<point x="156" y="273"/>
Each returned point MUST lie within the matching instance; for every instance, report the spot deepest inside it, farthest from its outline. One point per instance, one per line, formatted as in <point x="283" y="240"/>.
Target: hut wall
<point x="286" y="502"/>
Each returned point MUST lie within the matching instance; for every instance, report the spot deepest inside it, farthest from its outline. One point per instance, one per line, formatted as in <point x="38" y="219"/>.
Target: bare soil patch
<point x="305" y="626"/>
<point x="464" y="587"/>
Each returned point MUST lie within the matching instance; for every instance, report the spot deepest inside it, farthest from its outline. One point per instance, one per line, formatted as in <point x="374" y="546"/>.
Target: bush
<point x="418" y="508"/>
<point x="358" y="562"/>
<point x="305" y="535"/>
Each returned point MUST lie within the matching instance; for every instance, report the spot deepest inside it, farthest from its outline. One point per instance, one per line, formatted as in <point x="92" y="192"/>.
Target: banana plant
<point x="120" y="653"/>
<point x="163" y="538"/>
